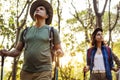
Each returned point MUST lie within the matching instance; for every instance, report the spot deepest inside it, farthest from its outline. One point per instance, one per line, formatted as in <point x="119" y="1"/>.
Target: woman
<point x="99" y="58"/>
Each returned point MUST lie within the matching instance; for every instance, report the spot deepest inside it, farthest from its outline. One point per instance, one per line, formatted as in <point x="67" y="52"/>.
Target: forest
<point x="74" y="19"/>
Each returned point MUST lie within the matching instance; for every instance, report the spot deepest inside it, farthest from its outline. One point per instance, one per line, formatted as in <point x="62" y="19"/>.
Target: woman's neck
<point x="99" y="44"/>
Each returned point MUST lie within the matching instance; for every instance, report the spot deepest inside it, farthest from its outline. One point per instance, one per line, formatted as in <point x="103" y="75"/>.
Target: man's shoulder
<point x="51" y="28"/>
<point x="48" y="26"/>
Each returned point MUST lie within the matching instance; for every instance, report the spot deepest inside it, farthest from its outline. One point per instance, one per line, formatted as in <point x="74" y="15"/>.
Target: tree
<point x="111" y="27"/>
<point x="19" y="27"/>
<point x="86" y="20"/>
<point x="14" y="22"/>
<point x="98" y="14"/>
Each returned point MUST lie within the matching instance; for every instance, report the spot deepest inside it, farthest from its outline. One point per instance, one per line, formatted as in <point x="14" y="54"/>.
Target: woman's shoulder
<point x="108" y="47"/>
<point x="90" y="48"/>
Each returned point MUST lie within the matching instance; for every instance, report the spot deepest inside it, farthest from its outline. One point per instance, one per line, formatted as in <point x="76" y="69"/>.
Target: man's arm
<point x="15" y="52"/>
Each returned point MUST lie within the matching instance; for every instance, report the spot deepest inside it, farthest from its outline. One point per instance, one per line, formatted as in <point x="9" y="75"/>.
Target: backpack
<point x="51" y="39"/>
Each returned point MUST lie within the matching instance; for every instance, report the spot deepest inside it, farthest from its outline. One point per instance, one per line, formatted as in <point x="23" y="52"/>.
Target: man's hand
<point x="59" y="53"/>
<point x="3" y="52"/>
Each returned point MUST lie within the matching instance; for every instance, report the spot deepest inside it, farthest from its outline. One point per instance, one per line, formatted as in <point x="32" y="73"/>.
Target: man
<point x="37" y="57"/>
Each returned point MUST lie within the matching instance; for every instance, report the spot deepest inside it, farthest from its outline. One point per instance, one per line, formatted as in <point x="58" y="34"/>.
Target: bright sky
<point x="81" y="5"/>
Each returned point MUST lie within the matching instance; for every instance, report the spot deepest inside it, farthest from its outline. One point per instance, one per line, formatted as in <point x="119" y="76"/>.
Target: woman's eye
<point x="99" y="34"/>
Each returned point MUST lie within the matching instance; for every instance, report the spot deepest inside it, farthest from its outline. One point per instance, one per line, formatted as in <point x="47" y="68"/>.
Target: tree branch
<point x="95" y="7"/>
<point x="77" y="16"/>
<point x="117" y="16"/>
<point x="104" y="7"/>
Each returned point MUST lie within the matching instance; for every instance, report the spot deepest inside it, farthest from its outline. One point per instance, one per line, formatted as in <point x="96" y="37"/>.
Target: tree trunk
<point x="98" y="21"/>
<point x="98" y="14"/>
<point x="19" y="27"/>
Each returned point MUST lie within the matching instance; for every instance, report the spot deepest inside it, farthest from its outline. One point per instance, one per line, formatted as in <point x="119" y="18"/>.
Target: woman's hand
<point x="115" y="69"/>
<point x="86" y="69"/>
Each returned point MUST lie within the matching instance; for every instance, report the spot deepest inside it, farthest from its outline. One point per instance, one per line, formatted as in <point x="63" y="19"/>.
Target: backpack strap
<point x="108" y="50"/>
<point x="51" y="37"/>
<point x="88" y="56"/>
<point x="51" y="40"/>
<point x="24" y="34"/>
<point x="89" y="52"/>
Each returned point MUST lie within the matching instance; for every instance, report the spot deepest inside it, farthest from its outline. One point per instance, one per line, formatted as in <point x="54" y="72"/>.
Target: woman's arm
<point x="115" y="69"/>
<point x="116" y="59"/>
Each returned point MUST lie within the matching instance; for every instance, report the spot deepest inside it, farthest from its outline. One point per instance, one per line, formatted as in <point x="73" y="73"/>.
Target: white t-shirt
<point x="98" y="62"/>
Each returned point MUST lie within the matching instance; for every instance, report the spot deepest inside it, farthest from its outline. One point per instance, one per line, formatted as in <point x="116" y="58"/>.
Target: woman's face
<point x="99" y="36"/>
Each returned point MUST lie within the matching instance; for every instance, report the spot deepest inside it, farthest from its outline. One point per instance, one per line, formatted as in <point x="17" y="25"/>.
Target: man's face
<point x="40" y="12"/>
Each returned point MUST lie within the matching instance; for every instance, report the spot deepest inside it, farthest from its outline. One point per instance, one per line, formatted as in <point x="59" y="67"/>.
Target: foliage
<point x="106" y="22"/>
<point x="8" y="25"/>
<point x="71" y="71"/>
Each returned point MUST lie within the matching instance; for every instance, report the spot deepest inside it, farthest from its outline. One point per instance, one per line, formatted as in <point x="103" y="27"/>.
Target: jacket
<point x="108" y="61"/>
